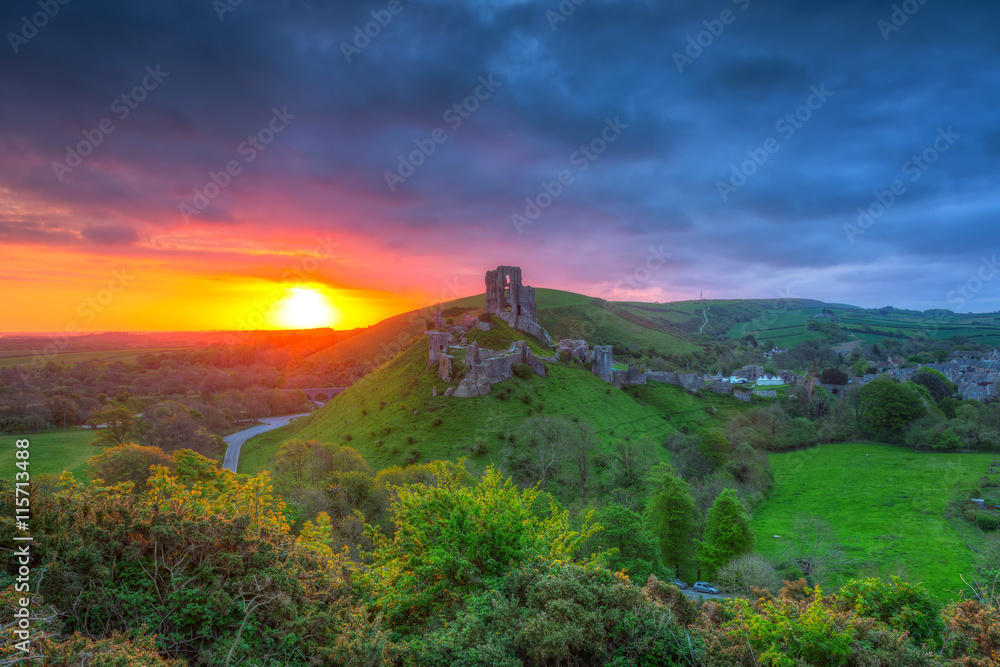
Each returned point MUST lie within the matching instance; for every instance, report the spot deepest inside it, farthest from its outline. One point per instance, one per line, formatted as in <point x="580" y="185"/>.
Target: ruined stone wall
<point x="636" y="375"/>
<point x="720" y="387"/>
<point x="485" y="368"/>
<point x="438" y="342"/>
<point x="602" y="362"/>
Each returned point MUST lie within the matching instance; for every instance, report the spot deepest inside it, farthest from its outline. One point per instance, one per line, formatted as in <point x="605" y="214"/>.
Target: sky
<point x="196" y="164"/>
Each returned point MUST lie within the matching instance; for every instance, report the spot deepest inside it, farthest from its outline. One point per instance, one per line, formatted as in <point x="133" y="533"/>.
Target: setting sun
<point x="305" y="308"/>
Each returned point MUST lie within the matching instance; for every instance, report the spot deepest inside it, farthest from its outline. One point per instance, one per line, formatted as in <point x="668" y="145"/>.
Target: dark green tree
<point x="935" y="381"/>
<point x="727" y="532"/>
<point x="670" y="516"/>
<point x="887" y="408"/>
<point x="638" y="551"/>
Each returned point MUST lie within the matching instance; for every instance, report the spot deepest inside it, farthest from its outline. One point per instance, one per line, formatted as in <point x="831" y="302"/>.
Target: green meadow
<point x="886" y="505"/>
<point x="51" y="452"/>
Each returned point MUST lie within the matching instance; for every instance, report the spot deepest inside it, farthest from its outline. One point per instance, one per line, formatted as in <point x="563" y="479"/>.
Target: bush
<point x="486" y="317"/>
<point x="900" y="605"/>
<point x="987" y="521"/>
<point x="523" y="371"/>
<point x="746" y="572"/>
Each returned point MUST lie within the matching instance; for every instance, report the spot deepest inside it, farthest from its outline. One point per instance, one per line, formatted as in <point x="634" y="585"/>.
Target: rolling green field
<point x="885" y="503"/>
<point x="18" y="357"/>
<point x="789" y="327"/>
<point x="51" y="452"/>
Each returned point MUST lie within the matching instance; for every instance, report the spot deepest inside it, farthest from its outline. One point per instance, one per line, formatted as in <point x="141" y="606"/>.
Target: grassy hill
<point x="391" y="417"/>
<point x="886" y="505"/>
<point x="563" y="314"/>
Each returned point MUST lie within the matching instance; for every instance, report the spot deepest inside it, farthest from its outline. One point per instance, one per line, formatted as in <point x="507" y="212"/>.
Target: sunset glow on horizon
<point x="390" y="180"/>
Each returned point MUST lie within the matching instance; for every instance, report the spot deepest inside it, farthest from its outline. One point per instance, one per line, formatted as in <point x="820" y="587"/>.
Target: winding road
<point x="235" y="441"/>
<point x="705" y="313"/>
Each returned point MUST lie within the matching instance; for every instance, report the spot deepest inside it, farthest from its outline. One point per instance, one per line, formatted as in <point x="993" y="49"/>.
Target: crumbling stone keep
<point x="506" y="294"/>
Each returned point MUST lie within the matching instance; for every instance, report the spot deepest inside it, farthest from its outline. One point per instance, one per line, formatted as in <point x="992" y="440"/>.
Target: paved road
<point x="235" y="441"/>
<point x="708" y="596"/>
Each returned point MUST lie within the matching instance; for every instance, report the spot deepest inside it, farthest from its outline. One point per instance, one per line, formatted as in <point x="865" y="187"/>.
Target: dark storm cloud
<point x="656" y="184"/>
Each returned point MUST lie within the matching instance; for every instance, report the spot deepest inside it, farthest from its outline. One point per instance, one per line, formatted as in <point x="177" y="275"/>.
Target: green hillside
<point x="563" y="314"/>
<point x="789" y="326"/>
<point x="391" y="417"/>
<point x="886" y="505"/>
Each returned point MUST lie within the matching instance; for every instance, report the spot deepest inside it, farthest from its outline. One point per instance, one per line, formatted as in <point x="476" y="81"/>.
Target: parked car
<point x="678" y="583"/>
<point x="705" y="587"/>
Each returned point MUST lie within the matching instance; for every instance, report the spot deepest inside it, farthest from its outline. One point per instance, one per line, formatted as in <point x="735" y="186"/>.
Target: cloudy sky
<point x="183" y="164"/>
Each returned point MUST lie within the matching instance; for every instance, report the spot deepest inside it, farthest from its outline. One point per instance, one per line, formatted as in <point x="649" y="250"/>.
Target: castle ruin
<point x="513" y="302"/>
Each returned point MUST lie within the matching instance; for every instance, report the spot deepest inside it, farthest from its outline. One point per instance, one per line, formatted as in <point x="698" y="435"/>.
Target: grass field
<point x="789" y="327"/>
<point x="885" y="503"/>
<point x="51" y="453"/>
<point x="18" y="357"/>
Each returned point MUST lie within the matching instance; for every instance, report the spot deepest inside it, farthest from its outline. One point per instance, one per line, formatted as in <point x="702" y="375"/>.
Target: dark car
<point x="705" y="587"/>
<point x="678" y="583"/>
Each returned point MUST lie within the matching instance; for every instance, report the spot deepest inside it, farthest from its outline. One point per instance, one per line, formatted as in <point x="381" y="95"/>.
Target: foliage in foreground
<point x="201" y="567"/>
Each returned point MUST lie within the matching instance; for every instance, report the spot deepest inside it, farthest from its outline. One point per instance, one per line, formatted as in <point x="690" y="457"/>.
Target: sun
<point x="305" y="308"/>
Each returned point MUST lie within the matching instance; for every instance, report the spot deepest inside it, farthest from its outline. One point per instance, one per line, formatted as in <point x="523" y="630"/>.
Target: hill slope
<point x="391" y="417"/>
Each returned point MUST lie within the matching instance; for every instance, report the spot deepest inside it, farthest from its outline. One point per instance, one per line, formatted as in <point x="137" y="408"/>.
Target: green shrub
<point x="523" y="371"/>
<point x="987" y="521"/>
<point x="899" y="605"/>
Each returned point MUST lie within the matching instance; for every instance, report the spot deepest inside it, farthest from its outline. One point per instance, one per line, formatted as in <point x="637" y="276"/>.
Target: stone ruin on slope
<point x="513" y="302"/>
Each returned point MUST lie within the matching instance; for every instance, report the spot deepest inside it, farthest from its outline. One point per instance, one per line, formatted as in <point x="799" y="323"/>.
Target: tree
<point x="546" y="441"/>
<point x="714" y="448"/>
<point x="887" y="408"/>
<point x="812" y="546"/>
<point x="833" y="376"/>
<point x="63" y="411"/>
<point x="727" y="532"/>
<point x="744" y="574"/>
<point x="633" y="459"/>
<point x="670" y="516"/>
<point x="935" y="381"/>
<point x="171" y="426"/>
<point x="578" y="448"/>
<point x="116" y="426"/>
<point x="627" y="544"/>
<point x="127" y="463"/>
